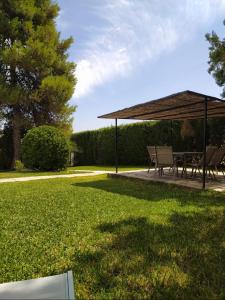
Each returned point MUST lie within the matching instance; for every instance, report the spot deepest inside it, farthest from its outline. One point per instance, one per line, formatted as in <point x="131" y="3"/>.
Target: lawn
<point x="122" y="239"/>
<point x="69" y="170"/>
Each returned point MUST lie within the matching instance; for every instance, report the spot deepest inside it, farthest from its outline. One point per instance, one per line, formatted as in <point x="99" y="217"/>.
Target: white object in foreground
<point x="52" y="287"/>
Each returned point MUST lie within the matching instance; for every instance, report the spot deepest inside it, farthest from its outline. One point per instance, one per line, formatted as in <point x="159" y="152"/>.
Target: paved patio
<point x="196" y="183"/>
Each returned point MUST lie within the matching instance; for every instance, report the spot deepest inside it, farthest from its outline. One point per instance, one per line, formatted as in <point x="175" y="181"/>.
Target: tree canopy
<point x="217" y="59"/>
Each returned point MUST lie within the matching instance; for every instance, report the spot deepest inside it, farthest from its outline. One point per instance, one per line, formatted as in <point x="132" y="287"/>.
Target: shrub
<point x="45" y="148"/>
<point x="19" y="165"/>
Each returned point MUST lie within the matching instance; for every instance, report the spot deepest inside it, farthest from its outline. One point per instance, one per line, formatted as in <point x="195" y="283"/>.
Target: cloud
<point x="132" y="32"/>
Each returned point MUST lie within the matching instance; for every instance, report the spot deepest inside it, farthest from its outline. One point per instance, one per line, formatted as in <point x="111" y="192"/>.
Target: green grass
<point x="70" y="170"/>
<point x="122" y="239"/>
<point x="28" y="173"/>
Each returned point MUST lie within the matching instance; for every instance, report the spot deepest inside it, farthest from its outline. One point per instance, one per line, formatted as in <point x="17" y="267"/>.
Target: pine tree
<point x="217" y="59"/>
<point x="36" y="78"/>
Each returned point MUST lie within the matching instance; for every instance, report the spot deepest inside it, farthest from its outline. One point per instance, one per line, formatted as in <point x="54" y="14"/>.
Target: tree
<point x="217" y="59"/>
<point x="217" y="69"/>
<point x="36" y="78"/>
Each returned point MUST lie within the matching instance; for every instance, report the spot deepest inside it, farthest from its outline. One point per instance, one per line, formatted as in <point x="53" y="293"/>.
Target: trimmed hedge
<point x="98" y="146"/>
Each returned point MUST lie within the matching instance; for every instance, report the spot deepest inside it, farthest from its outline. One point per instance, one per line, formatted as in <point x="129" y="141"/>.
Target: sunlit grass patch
<point x="121" y="238"/>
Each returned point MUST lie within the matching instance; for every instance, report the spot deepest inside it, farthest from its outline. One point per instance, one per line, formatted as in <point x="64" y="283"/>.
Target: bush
<point x="45" y="148"/>
<point x="19" y="165"/>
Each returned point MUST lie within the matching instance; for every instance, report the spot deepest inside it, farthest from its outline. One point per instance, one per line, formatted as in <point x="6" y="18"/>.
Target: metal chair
<point x="151" y="157"/>
<point x="164" y="158"/>
<point x="215" y="161"/>
<point x="52" y="287"/>
<point x="197" y="166"/>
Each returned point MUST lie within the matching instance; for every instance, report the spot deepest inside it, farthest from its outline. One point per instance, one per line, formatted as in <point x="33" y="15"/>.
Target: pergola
<point x="184" y="105"/>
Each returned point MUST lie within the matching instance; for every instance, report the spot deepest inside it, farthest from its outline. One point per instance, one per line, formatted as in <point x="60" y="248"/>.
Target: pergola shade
<point x="185" y="105"/>
<point x="179" y="106"/>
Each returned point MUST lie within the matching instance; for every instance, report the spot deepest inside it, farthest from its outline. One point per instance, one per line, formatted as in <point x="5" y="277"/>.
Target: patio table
<point x="184" y="156"/>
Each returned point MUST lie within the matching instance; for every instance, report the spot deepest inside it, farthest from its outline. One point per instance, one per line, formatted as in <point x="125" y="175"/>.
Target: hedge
<point x="98" y="146"/>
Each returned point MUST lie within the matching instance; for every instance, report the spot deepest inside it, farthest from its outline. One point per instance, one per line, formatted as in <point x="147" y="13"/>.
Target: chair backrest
<point x="151" y="152"/>
<point x="210" y="150"/>
<point x="52" y="287"/>
<point x="164" y="155"/>
<point x="217" y="157"/>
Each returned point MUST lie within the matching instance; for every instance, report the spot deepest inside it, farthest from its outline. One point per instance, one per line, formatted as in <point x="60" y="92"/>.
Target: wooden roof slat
<point x="199" y="116"/>
<point x="193" y="112"/>
<point x="167" y="109"/>
<point x="187" y="104"/>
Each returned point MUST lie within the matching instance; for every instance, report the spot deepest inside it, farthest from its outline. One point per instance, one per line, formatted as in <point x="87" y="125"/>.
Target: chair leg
<point x="160" y="171"/>
<point x="149" y="165"/>
<point x="194" y="171"/>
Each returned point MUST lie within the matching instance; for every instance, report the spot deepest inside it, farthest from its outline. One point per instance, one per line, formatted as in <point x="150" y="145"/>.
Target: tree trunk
<point x="16" y="137"/>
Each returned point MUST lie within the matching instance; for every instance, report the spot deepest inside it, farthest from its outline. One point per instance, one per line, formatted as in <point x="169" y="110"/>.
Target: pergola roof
<point x="179" y="106"/>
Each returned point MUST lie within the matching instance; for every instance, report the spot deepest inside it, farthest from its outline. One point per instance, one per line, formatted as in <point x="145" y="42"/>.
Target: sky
<point x="132" y="51"/>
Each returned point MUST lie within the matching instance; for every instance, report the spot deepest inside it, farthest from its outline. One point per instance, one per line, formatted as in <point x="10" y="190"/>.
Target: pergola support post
<point x="204" y="141"/>
<point x="171" y="132"/>
<point x="116" y="146"/>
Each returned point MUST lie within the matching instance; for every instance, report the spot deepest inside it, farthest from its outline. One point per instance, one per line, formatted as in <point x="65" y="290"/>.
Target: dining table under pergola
<point x="185" y="105"/>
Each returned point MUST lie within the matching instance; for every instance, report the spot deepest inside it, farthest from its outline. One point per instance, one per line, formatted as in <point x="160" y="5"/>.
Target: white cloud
<point x="138" y="31"/>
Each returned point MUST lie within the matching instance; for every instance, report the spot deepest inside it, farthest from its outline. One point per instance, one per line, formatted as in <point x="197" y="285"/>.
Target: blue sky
<point x="132" y="51"/>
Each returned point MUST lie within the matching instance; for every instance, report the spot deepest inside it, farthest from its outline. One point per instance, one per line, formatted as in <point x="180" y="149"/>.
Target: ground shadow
<point x="156" y="191"/>
<point x="141" y="260"/>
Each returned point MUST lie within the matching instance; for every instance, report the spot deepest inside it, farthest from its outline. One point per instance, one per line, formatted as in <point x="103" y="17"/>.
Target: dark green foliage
<point x="36" y="78"/>
<point x="217" y="131"/>
<point x="6" y="148"/>
<point x="45" y="148"/>
<point x="98" y="146"/>
<point x="217" y="59"/>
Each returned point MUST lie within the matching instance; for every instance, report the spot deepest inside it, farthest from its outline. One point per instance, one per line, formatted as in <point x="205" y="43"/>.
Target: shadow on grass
<point x="156" y="191"/>
<point x="139" y="260"/>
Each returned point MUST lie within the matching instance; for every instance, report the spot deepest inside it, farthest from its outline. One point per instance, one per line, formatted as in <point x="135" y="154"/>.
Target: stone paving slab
<point x="216" y="185"/>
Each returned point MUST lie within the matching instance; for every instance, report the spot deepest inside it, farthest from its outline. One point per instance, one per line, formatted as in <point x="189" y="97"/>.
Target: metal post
<point x="171" y="132"/>
<point x="204" y="141"/>
<point x="116" y="146"/>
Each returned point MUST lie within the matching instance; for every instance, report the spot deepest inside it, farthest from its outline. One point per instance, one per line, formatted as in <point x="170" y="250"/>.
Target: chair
<point x="216" y="160"/>
<point x="151" y="156"/>
<point x="197" y="166"/>
<point x="164" y="158"/>
<point x="52" y="287"/>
